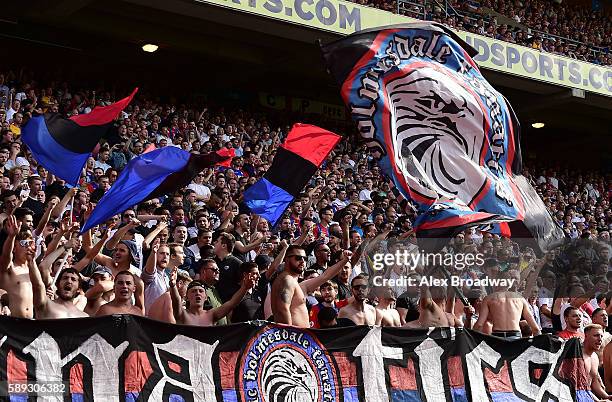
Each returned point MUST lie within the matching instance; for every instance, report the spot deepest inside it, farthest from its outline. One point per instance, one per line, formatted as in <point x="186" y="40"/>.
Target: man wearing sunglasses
<point x="14" y="271"/>
<point x="209" y="276"/>
<point x="358" y="311"/>
<point x="288" y="296"/>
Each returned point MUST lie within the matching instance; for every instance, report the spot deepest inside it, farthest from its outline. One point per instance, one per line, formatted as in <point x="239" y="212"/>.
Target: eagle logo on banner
<point x="282" y="364"/>
<point x="444" y="136"/>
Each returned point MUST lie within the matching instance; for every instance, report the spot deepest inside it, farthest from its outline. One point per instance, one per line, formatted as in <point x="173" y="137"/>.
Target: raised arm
<point x="97" y="290"/>
<point x="251" y="246"/>
<point x="45" y="218"/>
<point x="277" y="261"/>
<point x="311" y="200"/>
<point x="219" y="312"/>
<point x="91" y="253"/>
<point x="39" y="290"/>
<point x="59" y="208"/>
<point x="64" y="229"/>
<point x="153" y="234"/>
<point x="47" y="263"/>
<point x="149" y="267"/>
<point x="95" y="252"/>
<point x="425" y="300"/>
<point x="345" y="225"/>
<point x="12" y="227"/>
<point x="532" y="276"/>
<point x="177" y="307"/>
<point x="306" y="230"/>
<point x="310" y="285"/>
<point x="119" y="233"/>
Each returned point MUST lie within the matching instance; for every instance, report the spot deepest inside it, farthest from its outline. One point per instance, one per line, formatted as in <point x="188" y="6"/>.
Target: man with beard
<point x="125" y="286"/>
<point x="288" y="296"/>
<point x="329" y="291"/>
<point x="593" y="337"/>
<point x="342" y="280"/>
<point x="209" y="276"/>
<point x="322" y="254"/>
<point x="68" y="284"/>
<point x="358" y="311"/>
<point x="154" y="273"/>
<point x="194" y="313"/>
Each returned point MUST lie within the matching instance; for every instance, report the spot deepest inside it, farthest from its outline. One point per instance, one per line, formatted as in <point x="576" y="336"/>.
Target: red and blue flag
<point x="63" y="145"/>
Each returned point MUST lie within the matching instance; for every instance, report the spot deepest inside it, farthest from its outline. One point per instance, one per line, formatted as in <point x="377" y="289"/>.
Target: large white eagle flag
<point x="444" y="136"/>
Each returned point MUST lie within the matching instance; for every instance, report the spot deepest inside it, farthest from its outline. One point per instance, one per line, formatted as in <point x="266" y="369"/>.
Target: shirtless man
<point x="125" y="286"/>
<point x="14" y="271"/>
<point x="122" y="259"/>
<point x="389" y="317"/>
<point x="433" y="310"/>
<point x="593" y="338"/>
<point x="68" y="284"/>
<point x="288" y="296"/>
<point x="358" y="311"/>
<point x="195" y="314"/>
<point x="504" y="309"/>
<point x="161" y="309"/>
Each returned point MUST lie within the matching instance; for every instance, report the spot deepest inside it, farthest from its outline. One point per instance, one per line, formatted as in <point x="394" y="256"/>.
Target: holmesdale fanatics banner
<point x="445" y="137"/>
<point x="127" y="358"/>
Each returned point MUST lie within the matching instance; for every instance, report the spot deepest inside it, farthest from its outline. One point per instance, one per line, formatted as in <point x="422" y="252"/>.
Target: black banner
<point x="127" y="358"/>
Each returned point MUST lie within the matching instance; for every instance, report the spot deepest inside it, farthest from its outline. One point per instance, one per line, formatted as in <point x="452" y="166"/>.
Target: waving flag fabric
<point x="446" y="138"/>
<point x="295" y="162"/>
<point x="62" y="145"/>
<point x="158" y="172"/>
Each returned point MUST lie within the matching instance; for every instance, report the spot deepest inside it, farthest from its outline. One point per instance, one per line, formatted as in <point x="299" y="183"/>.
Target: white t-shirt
<point x="364" y="194"/>
<point x="196" y="251"/>
<point x="201" y="190"/>
<point x="102" y="165"/>
<point x="586" y="320"/>
<point x="545" y="297"/>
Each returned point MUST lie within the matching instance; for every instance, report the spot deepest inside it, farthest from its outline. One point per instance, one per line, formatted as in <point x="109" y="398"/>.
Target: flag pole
<point x="72" y="210"/>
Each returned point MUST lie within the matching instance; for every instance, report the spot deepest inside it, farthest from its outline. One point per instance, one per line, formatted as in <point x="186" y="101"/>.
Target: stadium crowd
<point x="197" y="257"/>
<point x="573" y="30"/>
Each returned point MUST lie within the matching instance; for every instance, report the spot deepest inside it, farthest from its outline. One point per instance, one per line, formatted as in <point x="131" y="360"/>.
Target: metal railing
<point x="426" y="9"/>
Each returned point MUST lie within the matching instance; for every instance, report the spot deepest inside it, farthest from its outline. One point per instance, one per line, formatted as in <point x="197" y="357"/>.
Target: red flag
<point x="229" y="153"/>
<point x="105" y="114"/>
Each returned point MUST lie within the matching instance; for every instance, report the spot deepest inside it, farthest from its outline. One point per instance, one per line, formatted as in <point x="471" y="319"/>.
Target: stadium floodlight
<point x="537" y="125"/>
<point x="149" y="47"/>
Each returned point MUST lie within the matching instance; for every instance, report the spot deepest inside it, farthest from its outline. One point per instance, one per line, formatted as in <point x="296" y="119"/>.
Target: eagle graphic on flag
<point x="445" y="137"/>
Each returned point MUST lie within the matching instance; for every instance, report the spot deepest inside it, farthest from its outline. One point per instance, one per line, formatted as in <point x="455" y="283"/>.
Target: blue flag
<point x="148" y="176"/>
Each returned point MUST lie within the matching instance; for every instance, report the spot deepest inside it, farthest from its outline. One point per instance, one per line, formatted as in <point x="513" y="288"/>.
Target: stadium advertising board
<point x="530" y="63"/>
<point x="131" y="358"/>
<point x="345" y="18"/>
